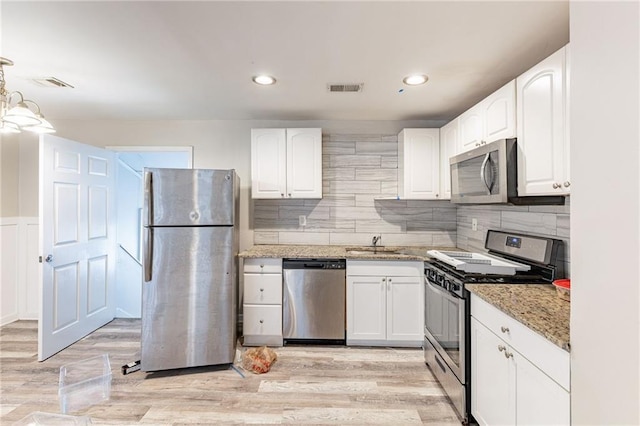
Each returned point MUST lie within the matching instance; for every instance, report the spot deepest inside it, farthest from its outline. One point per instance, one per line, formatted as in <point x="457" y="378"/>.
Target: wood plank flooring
<point x="307" y="385"/>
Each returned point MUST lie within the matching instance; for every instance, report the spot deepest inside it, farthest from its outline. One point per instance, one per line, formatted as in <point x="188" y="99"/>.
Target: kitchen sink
<point x="371" y="250"/>
<point x="384" y="250"/>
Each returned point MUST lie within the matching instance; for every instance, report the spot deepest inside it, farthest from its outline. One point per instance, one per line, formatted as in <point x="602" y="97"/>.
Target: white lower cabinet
<point x="262" y="302"/>
<point x="385" y="303"/>
<point x="507" y="388"/>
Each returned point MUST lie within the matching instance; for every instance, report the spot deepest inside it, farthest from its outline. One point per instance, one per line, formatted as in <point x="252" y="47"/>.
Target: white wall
<point x="605" y="194"/>
<point x="221" y="144"/>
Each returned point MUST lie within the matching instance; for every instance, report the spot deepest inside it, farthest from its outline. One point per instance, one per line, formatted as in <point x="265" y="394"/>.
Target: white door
<point x="77" y="240"/>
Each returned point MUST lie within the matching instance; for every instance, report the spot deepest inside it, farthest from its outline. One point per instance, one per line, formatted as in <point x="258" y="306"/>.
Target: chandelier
<point x="18" y="113"/>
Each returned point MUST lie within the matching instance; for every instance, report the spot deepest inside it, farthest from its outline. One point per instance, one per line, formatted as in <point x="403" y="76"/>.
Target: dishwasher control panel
<point x="314" y="264"/>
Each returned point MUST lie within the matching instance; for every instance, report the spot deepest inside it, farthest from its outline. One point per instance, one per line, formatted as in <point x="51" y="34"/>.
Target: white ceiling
<point x="194" y="60"/>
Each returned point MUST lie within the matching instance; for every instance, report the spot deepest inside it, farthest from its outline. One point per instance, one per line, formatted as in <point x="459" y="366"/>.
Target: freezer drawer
<point x="188" y="297"/>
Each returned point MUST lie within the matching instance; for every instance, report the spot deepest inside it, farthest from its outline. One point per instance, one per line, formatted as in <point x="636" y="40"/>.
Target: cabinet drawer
<point x="263" y="288"/>
<point x="396" y="268"/>
<point x="262" y="320"/>
<point x="553" y="360"/>
<point x="263" y="265"/>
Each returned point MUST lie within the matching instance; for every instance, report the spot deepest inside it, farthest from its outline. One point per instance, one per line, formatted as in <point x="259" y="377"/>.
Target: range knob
<point x="447" y="284"/>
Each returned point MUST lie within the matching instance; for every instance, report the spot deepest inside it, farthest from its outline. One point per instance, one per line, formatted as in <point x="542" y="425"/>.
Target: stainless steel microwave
<point x="489" y="175"/>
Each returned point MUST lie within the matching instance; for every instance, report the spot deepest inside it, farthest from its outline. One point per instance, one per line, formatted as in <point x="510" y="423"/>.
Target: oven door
<point x="445" y="326"/>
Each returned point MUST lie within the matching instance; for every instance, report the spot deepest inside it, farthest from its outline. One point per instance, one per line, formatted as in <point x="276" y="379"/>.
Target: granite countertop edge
<point x="341" y="252"/>
<point x="537" y="306"/>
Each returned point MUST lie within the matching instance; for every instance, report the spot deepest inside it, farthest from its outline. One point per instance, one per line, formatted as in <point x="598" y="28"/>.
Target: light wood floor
<point x="308" y="384"/>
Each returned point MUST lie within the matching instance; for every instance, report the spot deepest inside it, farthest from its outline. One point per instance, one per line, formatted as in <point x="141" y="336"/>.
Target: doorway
<point x="131" y="161"/>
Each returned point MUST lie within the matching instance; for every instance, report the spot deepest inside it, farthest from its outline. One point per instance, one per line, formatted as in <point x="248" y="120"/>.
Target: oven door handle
<point x="442" y="292"/>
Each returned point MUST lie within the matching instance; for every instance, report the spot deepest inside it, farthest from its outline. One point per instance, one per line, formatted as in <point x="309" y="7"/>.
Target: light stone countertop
<point x="340" y="252"/>
<point x="535" y="305"/>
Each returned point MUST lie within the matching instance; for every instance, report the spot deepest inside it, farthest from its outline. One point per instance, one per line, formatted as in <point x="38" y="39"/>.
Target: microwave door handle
<point x="482" y="174"/>
<point x="492" y="175"/>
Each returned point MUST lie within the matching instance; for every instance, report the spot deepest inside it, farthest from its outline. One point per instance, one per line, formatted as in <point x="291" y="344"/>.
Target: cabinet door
<point x="419" y="164"/>
<point x="493" y="381"/>
<point x="405" y="309"/>
<point x="304" y="163"/>
<point x="470" y="129"/>
<point x="499" y="111"/>
<point x="366" y="308"/>
<point x="268" y="163"/>
<point x="539" y="400"/>
<point x="541" y="96"/>
<point x="448" y="148"/>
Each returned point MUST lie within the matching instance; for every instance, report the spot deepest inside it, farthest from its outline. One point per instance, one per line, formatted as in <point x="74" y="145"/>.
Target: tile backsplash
<point x="359" y="171"/>
<point x="546" y="221"/>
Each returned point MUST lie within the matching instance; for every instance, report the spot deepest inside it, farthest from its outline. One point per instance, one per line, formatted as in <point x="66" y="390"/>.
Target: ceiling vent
<point x="51" y="82"/>
<point x="345" y="88"/>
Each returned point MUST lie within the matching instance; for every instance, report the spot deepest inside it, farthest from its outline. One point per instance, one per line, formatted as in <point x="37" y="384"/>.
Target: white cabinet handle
<point x="567" y="184"/>
<point x="501" y="348"/>
<point x="556" y="186"/>
<point x="262" y="289"/>
<point x="504" y="329"/>
<point x="508" y="355"/>
<point x="261" y="321"/>
<point x="282" y="194"/>
<point x="289" y="195"/>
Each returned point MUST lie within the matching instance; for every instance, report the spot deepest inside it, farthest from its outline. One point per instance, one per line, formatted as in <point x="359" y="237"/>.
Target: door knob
<point x="49" y="258"/>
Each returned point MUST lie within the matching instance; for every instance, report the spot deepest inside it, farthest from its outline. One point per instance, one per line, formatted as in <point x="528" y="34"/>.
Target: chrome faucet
<point x="374" y="241"/>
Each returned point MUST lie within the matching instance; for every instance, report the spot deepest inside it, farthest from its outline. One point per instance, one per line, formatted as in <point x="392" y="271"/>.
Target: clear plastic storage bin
<point x="84" y="383"/>
<point x="38" y="418"/>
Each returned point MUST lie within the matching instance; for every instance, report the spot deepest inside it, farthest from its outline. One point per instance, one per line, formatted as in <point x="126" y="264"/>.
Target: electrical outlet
<point x="474" y="224"/>
<point x="302" y="220"/>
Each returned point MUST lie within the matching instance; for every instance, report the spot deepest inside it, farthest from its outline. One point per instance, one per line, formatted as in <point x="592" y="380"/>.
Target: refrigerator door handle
<point x="148" y="253"/>
<point x="148" y="197"/>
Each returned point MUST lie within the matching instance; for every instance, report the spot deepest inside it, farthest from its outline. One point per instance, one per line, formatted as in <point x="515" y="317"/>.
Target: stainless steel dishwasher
<point x="313" y="300"/>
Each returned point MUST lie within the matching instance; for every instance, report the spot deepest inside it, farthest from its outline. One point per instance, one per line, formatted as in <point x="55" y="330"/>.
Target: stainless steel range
<point x="512" y="259"/>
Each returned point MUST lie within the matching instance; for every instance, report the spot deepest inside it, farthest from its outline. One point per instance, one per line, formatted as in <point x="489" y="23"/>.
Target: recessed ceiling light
<point x="264" y="80"/>
<point x="415" y="80"/>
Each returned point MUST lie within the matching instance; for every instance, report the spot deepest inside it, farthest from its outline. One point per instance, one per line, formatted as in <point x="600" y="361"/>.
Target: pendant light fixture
<point x="15" y="112"/>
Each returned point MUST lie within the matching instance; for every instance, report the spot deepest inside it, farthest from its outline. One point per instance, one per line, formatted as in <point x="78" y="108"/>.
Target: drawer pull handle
<point x="504" y="329"/>
<point x="501" y="348"/>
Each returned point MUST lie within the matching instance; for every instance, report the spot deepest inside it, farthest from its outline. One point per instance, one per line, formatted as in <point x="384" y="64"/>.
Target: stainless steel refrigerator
<point x="190" y="250"/>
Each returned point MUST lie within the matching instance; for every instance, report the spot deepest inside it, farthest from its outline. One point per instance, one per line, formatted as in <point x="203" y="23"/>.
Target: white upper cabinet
<point x="470" y="129"/>
<point x="286" y="163"/>
<point x="419" y="164"/>
<point x="543" y="143"/>
<point x="448" y="148"/>
<point x="491" y="119"/>
<point x="268" y="163"/>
